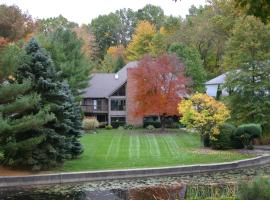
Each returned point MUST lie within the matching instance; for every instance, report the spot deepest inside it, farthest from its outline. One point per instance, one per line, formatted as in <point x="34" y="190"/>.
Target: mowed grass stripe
<point x="170" y="146"/>
<point x="134" y="147"/>
<point x="113" y="149"/>
<point x="144" y="147"/>
<point x="153" y="145"/>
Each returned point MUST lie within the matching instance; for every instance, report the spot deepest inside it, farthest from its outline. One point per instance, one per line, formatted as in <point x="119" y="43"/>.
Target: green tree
<point x="22" y="120"/>
<point x="106" y="29"/>
<point x="249" y="42"/>
<point x="249" y="93"/>
<point x="61" y="135"/>
<point x="257" y="8"/>
<point x="193" y="65"/>
<point x="153" y="14"/>
<point x="66" y="51"/>
<point x="128" y="21"/>
<point x="49" y="25"/>
<point x="9" y="57"/>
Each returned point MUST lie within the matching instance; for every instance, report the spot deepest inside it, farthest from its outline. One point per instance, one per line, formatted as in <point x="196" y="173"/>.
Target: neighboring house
<point x="214" y="86"/>
<point x="109" y="97"/>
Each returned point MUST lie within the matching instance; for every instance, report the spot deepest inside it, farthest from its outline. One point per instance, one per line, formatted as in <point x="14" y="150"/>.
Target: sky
<point x="83" y="11"/>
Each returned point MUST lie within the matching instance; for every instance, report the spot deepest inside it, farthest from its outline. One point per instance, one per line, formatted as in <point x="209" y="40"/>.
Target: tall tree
<point x="22" y="120"/>
<point x="153" y="14"/>
<point x="249" y="93"/>
<point x="260" y="9"/>
<point x="193" y="65"/>
<point x="249" y="42"/>
<point x="106" y="29"/>
<point x="49" y="25"/>
<point x="61" y="135"/>
<point x="160" y="85"/>
<point x="9" y="60"/>
<point x="66" y="51"/>
<point x="128" y="21"/>
<point x="141" y="40"/>
<point x="14" y="24"/>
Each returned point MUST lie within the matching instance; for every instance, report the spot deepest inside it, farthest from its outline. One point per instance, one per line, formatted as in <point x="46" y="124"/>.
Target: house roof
<point x="102" y="85"/>
<point x="218" y="80"/>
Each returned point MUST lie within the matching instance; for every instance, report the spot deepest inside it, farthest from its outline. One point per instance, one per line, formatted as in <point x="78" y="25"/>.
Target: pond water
<point x="136" y="189"/>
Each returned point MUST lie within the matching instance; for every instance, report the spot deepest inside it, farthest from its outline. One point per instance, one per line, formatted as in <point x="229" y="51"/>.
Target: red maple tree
<point x="160" y="85"/>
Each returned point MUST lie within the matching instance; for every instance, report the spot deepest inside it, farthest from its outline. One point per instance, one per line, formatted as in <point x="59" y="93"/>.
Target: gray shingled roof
<point x="102" y="85"/>
<point x="218" y="80"/>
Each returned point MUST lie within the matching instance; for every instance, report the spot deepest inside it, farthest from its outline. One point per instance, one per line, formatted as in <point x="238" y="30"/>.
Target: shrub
<point x="224" y="139"/>
<point x="90" y="123"/>
<point x="117" y="124"/>
<point x="256" y="190"/>
<point x="108" y="127"/>
<point x="150" y="127"/>
<point x="172" y="125"/>
<point x="248" y="132"/>
<point x="120" y="128"/>
<point x="129" y="127"/>
<point x="1" y="156"/>
<point x="153" y="123"/>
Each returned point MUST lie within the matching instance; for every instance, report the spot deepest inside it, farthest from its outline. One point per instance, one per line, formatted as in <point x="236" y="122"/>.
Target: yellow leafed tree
<point x="141" y="40"/>
<point x="204" y="114"/>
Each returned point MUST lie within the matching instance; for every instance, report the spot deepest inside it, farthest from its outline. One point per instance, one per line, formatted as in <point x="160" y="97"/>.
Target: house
<point x="214" y="86"/>
<point x="109" y="97"/>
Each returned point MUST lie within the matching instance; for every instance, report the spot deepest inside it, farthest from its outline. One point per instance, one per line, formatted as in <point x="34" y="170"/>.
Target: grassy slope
<point x="112" y="149"/>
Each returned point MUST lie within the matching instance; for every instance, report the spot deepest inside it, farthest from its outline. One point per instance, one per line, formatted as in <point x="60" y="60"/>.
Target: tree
<point x="249" y="88"/>
<point x="89" y="47"/>
<point x="14" y="24"/>
<point x="50" y="25"/>
<point x="194" y="68"/>
<point x="141" y="41"/>
<point x="204" y="114"/>
<point x="61" y="135"/>
<point x="260" y="9"/>
<point x="66" y="51"/>
<point x="22" y="120"/>
<point x="153" y="14"/>
<point x="160" y="84"/>
<point x="106" y="29"/>
<point x="249" y="42"/>
<point x="9" y="58"/>
<point x="128" y="21"/>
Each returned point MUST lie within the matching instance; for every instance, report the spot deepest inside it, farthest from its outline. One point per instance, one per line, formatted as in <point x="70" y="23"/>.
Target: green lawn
<point x="115" y="149"/>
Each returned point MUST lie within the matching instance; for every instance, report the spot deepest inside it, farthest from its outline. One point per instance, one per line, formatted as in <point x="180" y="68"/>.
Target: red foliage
<point x="160" y="85"/>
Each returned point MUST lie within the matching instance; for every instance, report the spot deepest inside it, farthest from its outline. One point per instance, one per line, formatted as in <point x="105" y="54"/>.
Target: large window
<point x="118" y="121"/>
<point x="118" y="104"/>
<point x="121" y="91"/>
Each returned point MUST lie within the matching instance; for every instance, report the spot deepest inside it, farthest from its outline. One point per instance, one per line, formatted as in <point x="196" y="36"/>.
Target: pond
<point x="167" y="187"/>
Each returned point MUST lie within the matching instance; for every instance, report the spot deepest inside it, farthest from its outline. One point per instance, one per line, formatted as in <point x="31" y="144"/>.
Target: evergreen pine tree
<point x="62" y="134"/>
<point x="22" y="120"/>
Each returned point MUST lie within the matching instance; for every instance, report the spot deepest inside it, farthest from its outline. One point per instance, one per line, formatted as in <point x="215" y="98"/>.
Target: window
<point x="121" y="91"/>
<point x="118" y="121"/>
<point x="118" y="104"/>
<point x="97" y="104"/>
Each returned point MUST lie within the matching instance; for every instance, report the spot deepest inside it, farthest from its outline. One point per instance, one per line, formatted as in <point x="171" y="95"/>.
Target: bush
<point x="248" y="132"/>
<point x="155" y="124"/>
<point x="256" y="190"/>
<point x="129" y="127"/>
<point x="172" y="125"/>
<point x="90" y="123"/>
<point x="120" y="128"/>
<point x="108" y="127"/>
<point x="150" y="127"/>
<point x="224" y="139"/>
<point x="117" y="124"/>
<point x="1" y="156"/>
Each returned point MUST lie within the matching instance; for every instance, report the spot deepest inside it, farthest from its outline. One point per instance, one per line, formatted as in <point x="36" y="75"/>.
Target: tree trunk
<point x="162" y="122"/>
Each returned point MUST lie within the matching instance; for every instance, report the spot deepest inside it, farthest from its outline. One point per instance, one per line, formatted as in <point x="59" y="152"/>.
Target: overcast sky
<point x="82" y="11"/>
